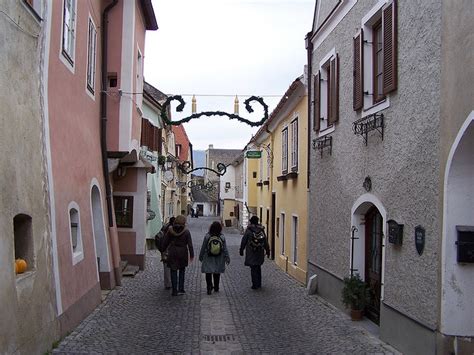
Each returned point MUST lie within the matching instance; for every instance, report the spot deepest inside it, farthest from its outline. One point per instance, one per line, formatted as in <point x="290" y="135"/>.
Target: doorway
<point x="373" y="261"/>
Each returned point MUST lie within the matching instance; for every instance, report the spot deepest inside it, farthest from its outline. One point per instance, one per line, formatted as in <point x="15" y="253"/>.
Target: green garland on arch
<point x="231" y="116"/>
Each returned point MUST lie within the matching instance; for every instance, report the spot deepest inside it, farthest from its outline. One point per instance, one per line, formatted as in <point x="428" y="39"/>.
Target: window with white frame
<point x="294" y="238"/>
<point x="375" y="57"/>
<point x="69" y="36"/>
<point x="326" y="93"/>
<point x="91" y="55"/>
<point x="282" y="233"/>
<point x="260" y="166"/>
<point x="269" y="162"/>
<point x="75" y="233"/>
<point x="294" y="144"/>
<point x="284" y="151"/>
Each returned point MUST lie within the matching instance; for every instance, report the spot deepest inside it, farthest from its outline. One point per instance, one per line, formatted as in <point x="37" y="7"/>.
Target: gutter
<point x="103" y="112"/>
<point x="309" y="49"/>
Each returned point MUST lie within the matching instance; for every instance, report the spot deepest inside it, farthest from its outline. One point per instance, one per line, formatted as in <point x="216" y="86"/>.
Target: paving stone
<point x="141" y="317"/>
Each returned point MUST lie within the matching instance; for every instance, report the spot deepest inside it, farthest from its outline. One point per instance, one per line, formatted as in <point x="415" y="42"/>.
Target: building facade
<point x="389" y="164"/>
<point x="282" y="189"/>
<point x="28" y="314"/>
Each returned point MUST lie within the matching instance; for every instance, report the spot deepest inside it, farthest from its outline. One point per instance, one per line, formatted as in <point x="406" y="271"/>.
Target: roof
<point x="294" y="85"/>
<point x="202" y="196"/>
<point x="154" y="93"/>
<point x="225" y="156"/>
<point x="149" y="14"/>
<point x="181" y="138"/>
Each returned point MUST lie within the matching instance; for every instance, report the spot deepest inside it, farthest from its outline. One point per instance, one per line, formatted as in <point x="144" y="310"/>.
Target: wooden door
<point x="373" y="261"/>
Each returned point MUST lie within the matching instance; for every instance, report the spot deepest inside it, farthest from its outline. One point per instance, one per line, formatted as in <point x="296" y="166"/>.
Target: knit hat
<point x="180" y="220"/>
<point x="254" y="220"/>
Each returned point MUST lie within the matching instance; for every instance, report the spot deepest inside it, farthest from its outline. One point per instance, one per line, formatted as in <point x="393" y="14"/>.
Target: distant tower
<point x="193" y="105"/>
<point x="236" y="105"/>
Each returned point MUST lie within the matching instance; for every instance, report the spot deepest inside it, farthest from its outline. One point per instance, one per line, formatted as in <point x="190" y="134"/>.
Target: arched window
<point x="76" y="235"/>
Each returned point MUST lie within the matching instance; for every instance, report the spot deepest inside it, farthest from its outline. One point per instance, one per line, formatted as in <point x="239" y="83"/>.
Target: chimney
<point x="211" y="146"/>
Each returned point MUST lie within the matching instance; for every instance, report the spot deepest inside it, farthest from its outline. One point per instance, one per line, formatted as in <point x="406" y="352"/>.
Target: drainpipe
<point x="103" y="111"/>
<point x="103" y="140"/>
<point x="309" y="49"/>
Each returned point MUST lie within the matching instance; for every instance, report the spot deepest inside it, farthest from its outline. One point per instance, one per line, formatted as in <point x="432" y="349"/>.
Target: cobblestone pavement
<point x="141" y="317"/>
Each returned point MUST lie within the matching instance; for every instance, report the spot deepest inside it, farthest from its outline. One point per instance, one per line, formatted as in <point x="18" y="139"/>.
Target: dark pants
<point x="175" y="283"/>
<point x="256" y="272"/>
<point x="216" y="278"/>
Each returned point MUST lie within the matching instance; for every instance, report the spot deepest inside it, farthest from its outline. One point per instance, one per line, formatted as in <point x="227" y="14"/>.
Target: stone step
<point x="130" y="270"/>
<point x="123" y="264"/>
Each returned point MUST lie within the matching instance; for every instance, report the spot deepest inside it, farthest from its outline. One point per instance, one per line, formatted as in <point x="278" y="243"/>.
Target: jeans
<point x="256" y="273"/>
<point x="166" y="275"/>
<point x="177" y="282"/>
<point x="209" y="278"/>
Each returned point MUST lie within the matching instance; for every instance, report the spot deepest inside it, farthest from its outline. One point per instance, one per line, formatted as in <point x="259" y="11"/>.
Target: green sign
<point x="254" y="154"/>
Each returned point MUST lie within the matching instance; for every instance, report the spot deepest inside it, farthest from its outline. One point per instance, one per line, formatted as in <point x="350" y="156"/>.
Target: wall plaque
<point x="419" y="239"/>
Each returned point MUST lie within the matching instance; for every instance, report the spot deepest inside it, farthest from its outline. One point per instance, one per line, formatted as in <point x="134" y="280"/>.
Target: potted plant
<point x="161" y="160"/>
<point x="355" y="296"/>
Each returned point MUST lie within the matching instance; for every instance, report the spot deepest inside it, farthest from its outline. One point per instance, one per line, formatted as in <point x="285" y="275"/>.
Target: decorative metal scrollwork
<point x="186" y="165"/>
<point x="194" y="185"/>
<point x="267" y="149"/>
<point x="231" y="116"/>
<point x="370" y="123"/>
<point x="322" y="143"/>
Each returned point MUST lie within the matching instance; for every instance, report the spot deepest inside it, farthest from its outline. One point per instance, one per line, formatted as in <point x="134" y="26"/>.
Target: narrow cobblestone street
<point x="141" y="316"/>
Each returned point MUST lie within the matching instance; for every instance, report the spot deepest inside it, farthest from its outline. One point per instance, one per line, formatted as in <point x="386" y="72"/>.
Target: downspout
<point x="103" y="141"/>
<point x="309" y="49"/>
<point x="103" y="111"/>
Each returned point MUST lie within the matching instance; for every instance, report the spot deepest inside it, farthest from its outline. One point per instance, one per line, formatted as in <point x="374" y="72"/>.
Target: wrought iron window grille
<point x="323" y="143"/>
<point x="363" y="126"/>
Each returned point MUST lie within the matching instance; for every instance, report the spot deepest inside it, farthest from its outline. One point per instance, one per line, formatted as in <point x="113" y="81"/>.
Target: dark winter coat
<point x="178" y="242"/>
<point x="253" y="257"/>
<point x="213" y="264"/>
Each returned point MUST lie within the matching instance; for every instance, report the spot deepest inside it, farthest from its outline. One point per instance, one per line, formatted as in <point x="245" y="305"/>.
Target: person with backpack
<point x="214" y="255"/>
<point x="179" y="244"/>
<point x="159" y="237"/>
<point x="255" y="244"/>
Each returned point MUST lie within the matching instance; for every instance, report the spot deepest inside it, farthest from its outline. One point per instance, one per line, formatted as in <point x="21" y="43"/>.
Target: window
<point x="91" y="55"/>
<point x="294" y="238"/>
<point x="75" y="233"/>
<point x="35" y="6"/>
<point x="375" y="49"/>
<point x="326" y="93"/>
<point x="69" y="36"/>
<point x="284" y="151"/>
<point x="282" y="229"/>
<point x="269" y="162"/>
<point x="124" y="211"/>
<point x="294" y="145"/>
<point x="23" y="239"/>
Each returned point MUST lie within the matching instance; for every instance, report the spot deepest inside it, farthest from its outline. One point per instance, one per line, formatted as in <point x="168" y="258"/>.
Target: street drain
<point x="218" y="338"/>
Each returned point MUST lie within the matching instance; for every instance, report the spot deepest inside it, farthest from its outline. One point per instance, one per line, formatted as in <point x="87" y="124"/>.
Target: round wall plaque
<point x="169" y="176"/>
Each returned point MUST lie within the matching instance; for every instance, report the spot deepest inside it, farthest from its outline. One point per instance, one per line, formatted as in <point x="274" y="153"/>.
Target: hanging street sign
<point x="254" y="154"/>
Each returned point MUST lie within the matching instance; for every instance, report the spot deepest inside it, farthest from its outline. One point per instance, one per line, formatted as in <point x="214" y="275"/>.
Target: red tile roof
<point x="181" y="138"/>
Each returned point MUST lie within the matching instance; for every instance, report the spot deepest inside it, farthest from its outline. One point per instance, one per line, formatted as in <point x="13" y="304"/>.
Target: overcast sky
<point x="226" y="47"/>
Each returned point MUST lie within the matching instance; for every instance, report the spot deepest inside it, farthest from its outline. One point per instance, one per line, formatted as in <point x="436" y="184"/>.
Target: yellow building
<point x="280" y="189"/>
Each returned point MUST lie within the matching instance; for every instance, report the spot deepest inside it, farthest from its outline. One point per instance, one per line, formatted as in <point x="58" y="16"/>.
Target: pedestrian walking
<point x="159" y="238"/>
<point x="179" y="244"/>
<point x="255" y="244"/>
<point x="214" y="255"/>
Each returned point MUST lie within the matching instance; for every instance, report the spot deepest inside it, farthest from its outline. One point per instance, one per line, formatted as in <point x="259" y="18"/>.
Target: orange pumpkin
<point x="20" y="266"/>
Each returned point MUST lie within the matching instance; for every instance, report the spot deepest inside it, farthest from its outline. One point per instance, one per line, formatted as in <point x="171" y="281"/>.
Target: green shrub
<point x="355" y="293"/>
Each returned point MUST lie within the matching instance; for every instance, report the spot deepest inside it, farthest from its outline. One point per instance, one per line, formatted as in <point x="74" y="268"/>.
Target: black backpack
<point x="257" y="240"/>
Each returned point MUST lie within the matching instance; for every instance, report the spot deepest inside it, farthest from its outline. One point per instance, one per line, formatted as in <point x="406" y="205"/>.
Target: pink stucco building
<point x="92" y="142"/>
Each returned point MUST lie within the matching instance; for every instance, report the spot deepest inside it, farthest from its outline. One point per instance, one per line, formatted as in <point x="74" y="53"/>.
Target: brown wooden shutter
<point x="143" y="133"/>
<point x="333" y="116"/>
<point x="317" y="102"/>
<point x="389" y="28"/>
<point x="358" y="72"/>
<point x="160" y="141"/>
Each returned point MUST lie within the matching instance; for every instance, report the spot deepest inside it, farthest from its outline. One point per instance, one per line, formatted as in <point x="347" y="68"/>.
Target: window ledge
<point x="292" y="175"/>
<point x="282" y="178"/>
<point x="266" y="182"/>
<point x="379" y="106"/>
<point x="25" y="275"/>
<point x="259" y="184"/>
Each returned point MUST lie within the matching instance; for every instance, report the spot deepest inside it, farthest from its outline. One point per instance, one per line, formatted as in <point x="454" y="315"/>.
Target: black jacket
<point x="178" y="242"/>
<point x="254" y="256"/>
